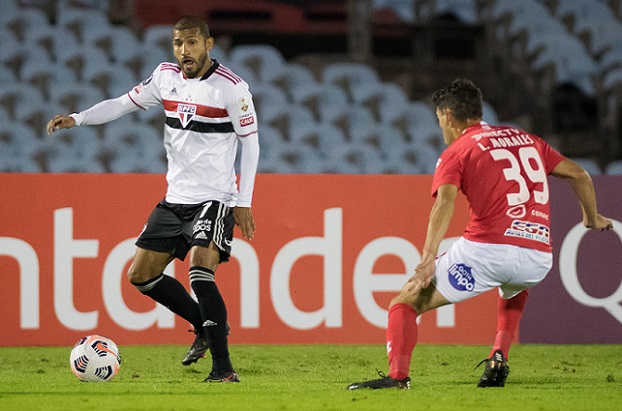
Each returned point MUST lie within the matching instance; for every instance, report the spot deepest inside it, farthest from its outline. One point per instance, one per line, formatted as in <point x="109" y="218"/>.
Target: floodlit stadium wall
<point x="330" y="252"/>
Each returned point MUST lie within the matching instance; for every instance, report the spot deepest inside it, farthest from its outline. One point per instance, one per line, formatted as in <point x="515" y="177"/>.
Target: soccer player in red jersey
<point x="209" y="111"/>
<point x="506" y="244"/>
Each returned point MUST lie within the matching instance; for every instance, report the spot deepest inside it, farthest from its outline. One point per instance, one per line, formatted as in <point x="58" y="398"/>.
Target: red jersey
<point x="503" y="173"/>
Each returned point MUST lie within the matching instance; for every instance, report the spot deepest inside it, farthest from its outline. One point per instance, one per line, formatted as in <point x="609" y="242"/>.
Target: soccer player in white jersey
<point x="209" y="111"/>
<point x="507" y="244"/>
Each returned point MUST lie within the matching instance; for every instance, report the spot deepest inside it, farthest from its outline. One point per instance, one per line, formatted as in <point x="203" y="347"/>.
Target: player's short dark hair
<point x="462" y="97"/>
<point x="192" y="22"/>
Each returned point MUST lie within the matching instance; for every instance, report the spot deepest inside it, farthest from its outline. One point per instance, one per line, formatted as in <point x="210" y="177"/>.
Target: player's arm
<point x="100" y="113"/>
<point x="438" y="223"/>
<point x="583" y="187"/>
<point x="242" y="212"/>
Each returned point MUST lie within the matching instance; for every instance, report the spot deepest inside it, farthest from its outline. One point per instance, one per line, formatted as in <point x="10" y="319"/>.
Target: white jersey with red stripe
<point x="205" y="117"/>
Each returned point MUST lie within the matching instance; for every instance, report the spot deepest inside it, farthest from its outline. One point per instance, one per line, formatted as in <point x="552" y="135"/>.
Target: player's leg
<point x="509" y="314"/>
<point x="212" y="232"/>
<point x="402" y="333"/>
<point x="146" y="273"/>
<point x="403" y="330"/>
<point x="456" y="279"/>
<point x="530" y="267"/>
<point x="159" y="243"/>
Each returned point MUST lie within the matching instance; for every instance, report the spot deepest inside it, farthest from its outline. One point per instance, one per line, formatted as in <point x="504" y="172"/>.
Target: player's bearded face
<point x="192" y="51"/>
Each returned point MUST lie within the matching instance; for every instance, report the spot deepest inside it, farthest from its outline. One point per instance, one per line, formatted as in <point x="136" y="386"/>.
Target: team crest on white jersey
<point x="185" y="112"/>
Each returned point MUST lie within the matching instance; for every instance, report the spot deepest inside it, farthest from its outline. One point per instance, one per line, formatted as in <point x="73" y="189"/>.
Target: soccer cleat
<point x="496" y="371"/>
<point x="197" y="349"/>
<point x="383" y="382"/>
<point x="217" y="376"/>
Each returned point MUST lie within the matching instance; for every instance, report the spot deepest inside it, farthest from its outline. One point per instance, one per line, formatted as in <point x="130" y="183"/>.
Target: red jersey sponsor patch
<point x="247" y="121"/>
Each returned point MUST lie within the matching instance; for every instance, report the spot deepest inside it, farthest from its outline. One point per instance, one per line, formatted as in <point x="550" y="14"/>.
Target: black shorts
<point x="175" y="228"/>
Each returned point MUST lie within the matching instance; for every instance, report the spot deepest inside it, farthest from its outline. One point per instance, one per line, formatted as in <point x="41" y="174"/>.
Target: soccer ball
<point x="95" y="358"/>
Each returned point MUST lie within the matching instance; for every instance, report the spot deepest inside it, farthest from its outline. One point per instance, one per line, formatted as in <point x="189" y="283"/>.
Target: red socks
<point x="508" y="318"/>
<point x="402" y="334"/>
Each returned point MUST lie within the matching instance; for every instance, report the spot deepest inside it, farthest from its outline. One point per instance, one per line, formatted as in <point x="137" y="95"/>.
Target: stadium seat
<point x="323" y="100"/>
<point x="414" y="158"/>
<point x="614" y="168"/>
<point x="51" y="38"/>
<point x="13" y="57"/>
<point x="16" y="98"/>
<point x="18" y="140"/>
<point x="571" y="62"/>
<point x="20" y="21"/>
<point x="322" y="137"/>
<point x="219" y="54"/>
<point x="44" y="76"/>
<point x="120" y="43"/>
<point x="158" y="36"/>
<point x="349" y="75"/>
<point x="384" y="100"/>
<point x="464" y="10"/>
<point x="76" y="59"/>
<point x="354" y="158"/>
<point x="290" y="76"/>
<point x="112" y="80"/>
<point x="291" y="158"/>
<point x="380" y="137"/>
<point x="269" y="137"/>
<point x="37" y="114"/>
<point x="260" y="58"/>
<point x="286" y="117"/>
<point x="74" y="97"/>
<point x="83" y="22"/>
<point x="265" y="94"/>
<point x="489" y="114"/>
<point x="414" y="115"/>
<point x="74" y="150"/>
<point x="345" y="117"/>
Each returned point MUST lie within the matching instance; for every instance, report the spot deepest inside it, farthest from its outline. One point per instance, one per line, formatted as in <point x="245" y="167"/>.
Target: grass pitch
<point x="314" y="377"/>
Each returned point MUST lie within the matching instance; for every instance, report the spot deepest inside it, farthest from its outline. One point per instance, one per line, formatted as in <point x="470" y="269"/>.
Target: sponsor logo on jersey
<point x="247" y="121"/>
<point x="518" y="211"/>
<point x="202" y="225"/>
<point x="460" y="277"/>
<point x="244" y="106"/>
<point x="529" y="230"/>
<point x="185" y="112"/>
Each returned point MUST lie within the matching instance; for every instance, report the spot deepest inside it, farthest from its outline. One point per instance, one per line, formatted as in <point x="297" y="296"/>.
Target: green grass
<point x="314" y="377"/>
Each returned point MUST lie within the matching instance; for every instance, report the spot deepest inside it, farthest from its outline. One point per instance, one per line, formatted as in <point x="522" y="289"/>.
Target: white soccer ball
<point x="95" y="358"/>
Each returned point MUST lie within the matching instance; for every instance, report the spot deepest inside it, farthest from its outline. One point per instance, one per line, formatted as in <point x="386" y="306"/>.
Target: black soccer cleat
<point x="218" y="376"/>
<point x="383" y="382"/>
<point x="496" y="371"/>
<point x="199" y="347"/>
<point x="197" y="350"/>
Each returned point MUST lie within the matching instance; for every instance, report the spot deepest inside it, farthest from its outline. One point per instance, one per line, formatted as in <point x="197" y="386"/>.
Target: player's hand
<point x="243" y="217"/>
<point x="424" y="272"/>
<point x="601" y="223"/>
<point x="59" y="122"/>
